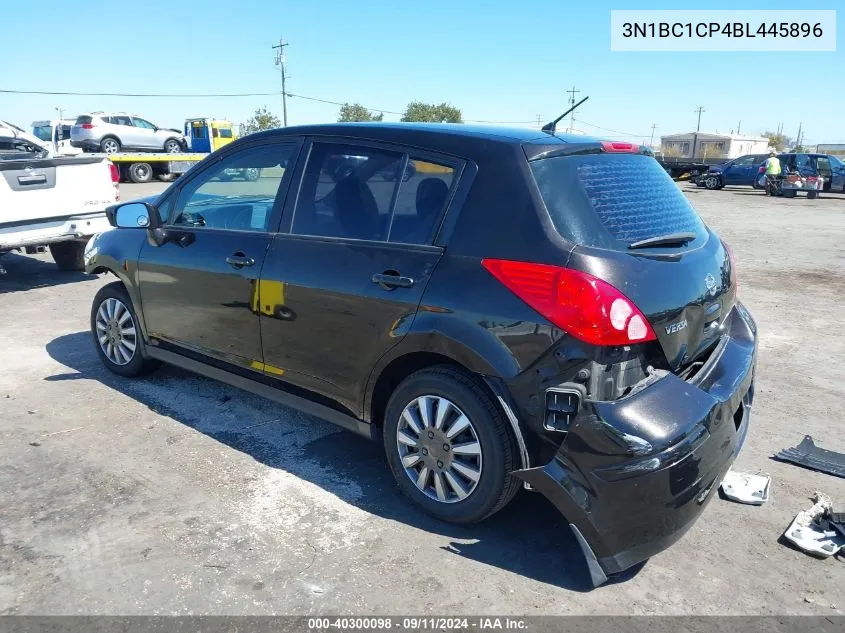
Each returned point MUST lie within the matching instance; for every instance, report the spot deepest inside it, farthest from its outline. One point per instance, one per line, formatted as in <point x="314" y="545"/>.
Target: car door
<point x="146" y="131"/>
<point x="729" y="173"/>
<point x="837" y="168"/>
<point x="739" y="172"/>
<point x="345" y="275"/>
<point x="121" y="126"/>
<point x="199" y="289"/>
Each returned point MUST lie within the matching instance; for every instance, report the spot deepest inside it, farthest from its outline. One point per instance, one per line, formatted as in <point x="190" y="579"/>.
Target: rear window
<point x="613" y="200"/>
<point x="83" y="120"/>
<point x="44" y="132"/>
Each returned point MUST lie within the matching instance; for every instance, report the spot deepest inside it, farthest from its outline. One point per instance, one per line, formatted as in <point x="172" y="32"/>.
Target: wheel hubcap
<point x="110" y="147"/>
<point x="439" y="449"/>
<point x="116" y="333"/>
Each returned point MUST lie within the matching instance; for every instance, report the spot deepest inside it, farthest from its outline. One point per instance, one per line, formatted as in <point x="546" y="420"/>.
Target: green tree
<point x="432" y="113"/>
<point x="357" y="112"/>
<point x="263" y="119"/>
<point x="778" y="141"/>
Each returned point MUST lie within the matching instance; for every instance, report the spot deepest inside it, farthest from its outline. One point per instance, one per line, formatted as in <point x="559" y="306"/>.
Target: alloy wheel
<point x="439" y="449"/>
<point x="109" y="146"/>
<point x="116" y="332"/>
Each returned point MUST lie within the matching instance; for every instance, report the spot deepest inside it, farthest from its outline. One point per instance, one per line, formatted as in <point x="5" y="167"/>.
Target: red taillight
<point x="734" y="273"/>
<point x="584" y="306"/>
<point x="87" y="126"/>
<point x="615" y="146"/>
<point x="115" y="179"/>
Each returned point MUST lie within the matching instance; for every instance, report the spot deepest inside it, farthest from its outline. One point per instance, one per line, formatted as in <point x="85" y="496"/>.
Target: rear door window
<point x="347" y="191"/>
<point x="613" y="200"/>
<point x="422" y="197"/>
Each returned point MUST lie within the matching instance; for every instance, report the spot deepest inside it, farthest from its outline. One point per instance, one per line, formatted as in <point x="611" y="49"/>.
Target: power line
<point x="607" y="129"/>
<point x="131" y="94"/>
<point x="225" y="95"/>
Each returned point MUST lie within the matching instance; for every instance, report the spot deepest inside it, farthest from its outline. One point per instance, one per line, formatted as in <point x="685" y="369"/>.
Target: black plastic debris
<point x="808" y="455"/>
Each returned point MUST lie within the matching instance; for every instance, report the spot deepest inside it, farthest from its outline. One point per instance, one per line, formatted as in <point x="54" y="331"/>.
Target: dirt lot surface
<point x="174" y="494"/>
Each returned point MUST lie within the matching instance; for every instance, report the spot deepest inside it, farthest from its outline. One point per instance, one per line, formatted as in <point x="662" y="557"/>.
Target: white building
<point x="705" y="145"/>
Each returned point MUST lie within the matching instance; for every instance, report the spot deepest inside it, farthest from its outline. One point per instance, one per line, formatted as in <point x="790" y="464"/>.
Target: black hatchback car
<point x="524" y="310"/>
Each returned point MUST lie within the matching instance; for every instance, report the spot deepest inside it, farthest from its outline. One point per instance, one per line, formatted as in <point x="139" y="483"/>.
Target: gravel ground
<point x="176" y="495"/>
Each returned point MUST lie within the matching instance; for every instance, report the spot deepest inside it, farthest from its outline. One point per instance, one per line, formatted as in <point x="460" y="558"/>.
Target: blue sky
<point x="504" y="63"/>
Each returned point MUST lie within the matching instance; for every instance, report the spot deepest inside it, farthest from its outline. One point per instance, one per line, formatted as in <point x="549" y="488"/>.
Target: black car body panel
<point x="628" y="441"/>
<point x="659" y="454"/>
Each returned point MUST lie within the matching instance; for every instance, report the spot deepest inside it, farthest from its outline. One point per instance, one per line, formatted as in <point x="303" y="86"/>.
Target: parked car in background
<point x="56" y="133"/>
<point x="112" y="132"/>
<point x="527" y="308"/>
<point x="827" y="166"/>
<point x="14" y="138"/>
<point x="739" y="171"/>
<point x="54" y="201"/>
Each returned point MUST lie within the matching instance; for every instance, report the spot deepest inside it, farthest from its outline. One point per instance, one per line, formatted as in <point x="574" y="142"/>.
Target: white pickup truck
<point x="54" y="201"/>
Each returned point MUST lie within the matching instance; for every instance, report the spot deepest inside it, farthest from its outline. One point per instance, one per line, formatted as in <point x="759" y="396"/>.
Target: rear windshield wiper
<point x="671" y="239"/>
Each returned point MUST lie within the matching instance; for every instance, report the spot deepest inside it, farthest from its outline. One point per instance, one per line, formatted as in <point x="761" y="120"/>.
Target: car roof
<point x="420" y="133"/>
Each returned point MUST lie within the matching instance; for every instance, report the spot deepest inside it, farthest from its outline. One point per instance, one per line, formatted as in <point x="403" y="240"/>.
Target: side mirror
<point x="134" y="215"/>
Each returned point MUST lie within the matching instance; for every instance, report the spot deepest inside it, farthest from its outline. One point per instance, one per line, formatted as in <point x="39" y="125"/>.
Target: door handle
<point x="390" y="282"/>
<point x="239" y="260"/>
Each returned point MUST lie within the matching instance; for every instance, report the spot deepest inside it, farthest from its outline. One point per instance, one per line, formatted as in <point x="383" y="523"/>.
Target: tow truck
<point x="204" y="135"/>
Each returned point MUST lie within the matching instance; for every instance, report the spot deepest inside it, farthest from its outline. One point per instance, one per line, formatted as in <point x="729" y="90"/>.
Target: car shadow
<point x="24" y="272"/>
<point x="529" y="537"/>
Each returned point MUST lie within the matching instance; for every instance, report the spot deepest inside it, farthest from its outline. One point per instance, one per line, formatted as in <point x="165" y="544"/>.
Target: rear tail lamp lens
<point x="734" y="273"/>
<point x="584" y="306"/>
<point x="87" y="126"/>
<point x="115" y="179"/>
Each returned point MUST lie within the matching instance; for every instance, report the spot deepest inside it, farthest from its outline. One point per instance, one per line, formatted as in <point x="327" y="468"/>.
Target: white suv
<point x="111" y="132"/>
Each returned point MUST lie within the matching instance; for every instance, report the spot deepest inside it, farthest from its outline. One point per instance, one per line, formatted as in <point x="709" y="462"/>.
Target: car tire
<point x="172" y="146"/>
<point x="140" y="172"/>
<point x="460" y="394"/>
<point x="251" y="174"/>
<point x="110" y="145"/>
<point x="68" y="256"/>
<point x="712" y="182"/>
<point x="114" y="357"/>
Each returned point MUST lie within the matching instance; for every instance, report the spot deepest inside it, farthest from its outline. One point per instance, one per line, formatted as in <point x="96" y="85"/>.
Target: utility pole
<point x="700" y="109"/>
<point x="280" y="62"/>
<point x="572" y="92"/>
<point x="539" y="120"/>
<point x="798" y="140"/>
<point x="697" y="130"/>
<point x="738" y="125"/>
<point x="653" y="127"/>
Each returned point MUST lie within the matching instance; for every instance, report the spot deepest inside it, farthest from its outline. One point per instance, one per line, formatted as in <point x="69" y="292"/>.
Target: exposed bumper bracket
<point x="597" y="575"/>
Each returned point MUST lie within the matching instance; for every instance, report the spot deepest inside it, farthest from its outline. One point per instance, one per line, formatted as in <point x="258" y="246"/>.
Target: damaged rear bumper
<point x="634" y="474"/>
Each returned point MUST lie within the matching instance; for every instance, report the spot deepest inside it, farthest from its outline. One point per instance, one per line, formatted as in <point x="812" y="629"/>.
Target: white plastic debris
<point x="807" y="531"/>
<point x="746" y="488"/>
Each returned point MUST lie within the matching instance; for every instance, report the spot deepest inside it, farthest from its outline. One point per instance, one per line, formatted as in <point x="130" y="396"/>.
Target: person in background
<point x="772" y="165"/>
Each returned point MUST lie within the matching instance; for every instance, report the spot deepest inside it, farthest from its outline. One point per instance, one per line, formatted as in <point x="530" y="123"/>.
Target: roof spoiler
<point x="549" y="128"/>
